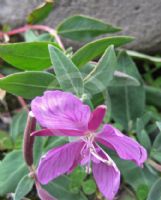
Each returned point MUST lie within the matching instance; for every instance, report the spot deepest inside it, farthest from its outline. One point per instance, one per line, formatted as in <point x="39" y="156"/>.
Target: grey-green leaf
<point x="27" y="55"/>
<point x="95" y="48"/>
<point x="121" y="79"/>
<point x="82" y="28"/>
<point x="127" y="102"/>
<point x="18" y="124"/>
<point x="60" y="188"/>
<point x="12" y="169"/>
<point x="67" y="74"/>
<point x="24" y="187"/>
<point x="28" y="84"/>
<point x="98" y="79"/>
<point x="142" y="56"/>
<point x="155" y="192"/>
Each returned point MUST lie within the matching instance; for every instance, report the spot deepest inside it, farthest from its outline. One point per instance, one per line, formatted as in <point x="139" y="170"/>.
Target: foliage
<point x="99" y="73"/>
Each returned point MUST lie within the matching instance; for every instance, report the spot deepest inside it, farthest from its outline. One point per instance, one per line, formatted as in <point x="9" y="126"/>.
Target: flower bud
<point x="29" y="140"/>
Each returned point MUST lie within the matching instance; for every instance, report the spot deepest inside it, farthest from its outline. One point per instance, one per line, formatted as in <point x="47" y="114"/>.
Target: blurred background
<point x="138" y="18"/>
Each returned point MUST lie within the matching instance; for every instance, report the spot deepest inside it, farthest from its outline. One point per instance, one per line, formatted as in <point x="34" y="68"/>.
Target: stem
<point x="35" y="27"/>
<point x="23" y="103"/>
<point x="154" y="165"/>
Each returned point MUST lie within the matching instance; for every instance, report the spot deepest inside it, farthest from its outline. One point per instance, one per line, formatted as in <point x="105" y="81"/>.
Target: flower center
<point x="90" y="153"/>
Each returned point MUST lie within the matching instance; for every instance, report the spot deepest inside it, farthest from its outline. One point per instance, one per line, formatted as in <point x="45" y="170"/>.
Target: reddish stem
<point x="23" y="103"/>
<point x="34" y="27"/>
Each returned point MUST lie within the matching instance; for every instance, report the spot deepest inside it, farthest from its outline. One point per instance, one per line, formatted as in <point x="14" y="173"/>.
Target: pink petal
<point x="61" y="110"/>
<point x="59" y="161"/>
<point x="54" y="132"/>
<point x="97" y="117"/>
<point x="126" y="147"/>
<point x="107" y="178"/>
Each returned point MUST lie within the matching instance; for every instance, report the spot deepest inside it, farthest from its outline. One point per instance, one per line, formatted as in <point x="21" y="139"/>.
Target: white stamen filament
<point x="108" y="162"/>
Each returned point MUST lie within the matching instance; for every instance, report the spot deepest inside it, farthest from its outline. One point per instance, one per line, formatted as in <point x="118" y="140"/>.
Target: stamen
<point x="108" y="162"/>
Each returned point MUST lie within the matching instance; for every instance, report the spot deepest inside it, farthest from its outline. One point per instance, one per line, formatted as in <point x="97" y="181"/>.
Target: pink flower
<point x="63" y="114"/>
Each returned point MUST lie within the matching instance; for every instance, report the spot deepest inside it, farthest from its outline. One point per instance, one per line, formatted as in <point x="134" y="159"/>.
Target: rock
<point x="138" y="18"/>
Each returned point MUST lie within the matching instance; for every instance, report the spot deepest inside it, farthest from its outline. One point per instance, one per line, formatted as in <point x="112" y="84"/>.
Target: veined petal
<point x="107" y="177"/>
<point x="61" y="110"/>
<point x="97" y="117"/>
<point x="59" y="161"/>
<point x="54" y="132"/>
<point x="126" y="147"/>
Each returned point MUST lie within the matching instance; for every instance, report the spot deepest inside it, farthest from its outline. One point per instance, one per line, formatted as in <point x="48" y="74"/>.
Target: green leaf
<point x="60" y="189"/>
<point x="55" y="142"/>
<point x="77" y="177"/>
<point x="98" y="79"/>
<point x="156" y="148"/>
<point x="5" y="141"/>
<point x="155" y="192"/>
<point x="40" y="13"/>
<point x="159" y="125"/>
<point x="144" y="139"/>
<point x="27" y="55"/>
<point x="18" y="124"/>
<point x="24" y="187"/>
<point x="142" y="192"/>
<point x="38" y="149"/>
<point x="28" y="84"/>
<point x="89" y="187"/>
<point x="67" y="74"/>
<point x="143" y="56"/>
<point x="128" y="102"/>
<point x="121" y="79"/>
<point x="94" y="49"/>
<point x="12" y="169"/>
<point x="31" y="36"/>
<point x="140" y="179"/>
<point x="153" y="96"/>
<point x="82" y="28"/>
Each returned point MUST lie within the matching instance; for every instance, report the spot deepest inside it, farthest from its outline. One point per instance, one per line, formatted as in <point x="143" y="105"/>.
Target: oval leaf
<point x="98" y="79"/>
<point x="27" y="55"/>
<point x="121" y="79"/>
<point x="94" y="49"/>
<point x="124" y="100"/>
<point x="67" y="74"/>
<point x="28" y="84"/>
<point x="12" y="169"/>
<point x="82" y="28"/>
<point x="24" y="187"/>
<point x="155" y="192"/>
<point x="18" y="124"/>
<point x="40" y="13"/>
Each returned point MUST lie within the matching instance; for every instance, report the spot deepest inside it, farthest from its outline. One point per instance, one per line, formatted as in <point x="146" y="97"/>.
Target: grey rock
<point x="138" y="18"/>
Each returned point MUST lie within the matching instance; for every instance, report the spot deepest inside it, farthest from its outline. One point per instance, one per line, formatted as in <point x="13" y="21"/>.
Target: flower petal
<point x="97" y="117"/>
<point x="54" y="132"/>
<point x="126" y="147"/>
<point x="59" y="161"/>
<point x="61" y="110"/>
<point x="107" y="177"/>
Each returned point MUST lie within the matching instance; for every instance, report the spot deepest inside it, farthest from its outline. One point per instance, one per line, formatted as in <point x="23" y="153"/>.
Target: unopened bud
<point x="29" y="140"/>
